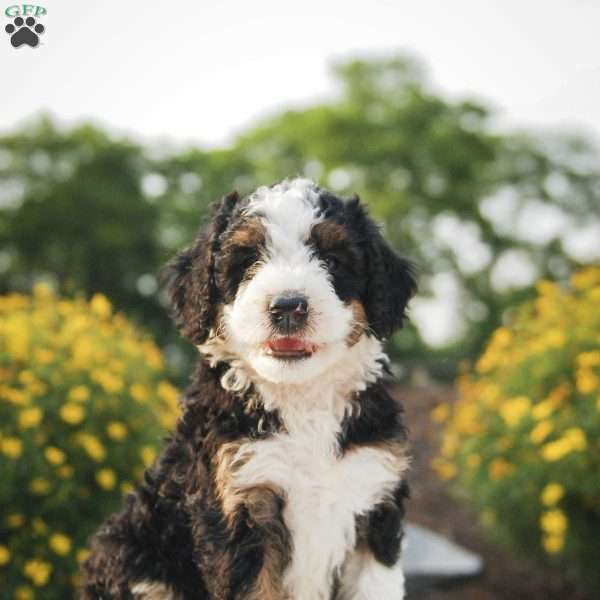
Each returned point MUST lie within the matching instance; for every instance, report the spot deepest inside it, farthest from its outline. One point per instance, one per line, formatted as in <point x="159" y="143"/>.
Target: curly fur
<point x="283" y="479"/>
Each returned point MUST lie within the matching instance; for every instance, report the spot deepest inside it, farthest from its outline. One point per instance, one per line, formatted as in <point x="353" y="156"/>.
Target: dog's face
<point x="287" y="280"/>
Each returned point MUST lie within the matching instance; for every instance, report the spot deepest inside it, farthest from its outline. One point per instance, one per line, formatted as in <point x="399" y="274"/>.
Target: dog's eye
<point x="332" y="262"/>
<point x="249" y="261"/>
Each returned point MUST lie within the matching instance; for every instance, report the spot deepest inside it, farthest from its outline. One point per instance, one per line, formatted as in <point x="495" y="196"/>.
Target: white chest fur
<point x="323" y="494"/>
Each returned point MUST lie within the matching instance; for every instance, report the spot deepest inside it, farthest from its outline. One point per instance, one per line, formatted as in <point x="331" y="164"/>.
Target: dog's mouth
<point x="289" y="348"/>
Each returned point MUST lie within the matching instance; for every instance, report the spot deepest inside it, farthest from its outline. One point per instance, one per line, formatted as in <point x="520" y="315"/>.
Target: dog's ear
<point x="190" y="277"/>
<point x="391" y="279"/>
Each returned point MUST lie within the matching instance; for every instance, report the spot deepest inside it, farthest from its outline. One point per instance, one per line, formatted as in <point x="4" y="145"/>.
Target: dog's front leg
<point x="365" y="578"/>
<point x="253" y="510"/>
<point x="373" y="570"/>
<point x="264" y="506"/>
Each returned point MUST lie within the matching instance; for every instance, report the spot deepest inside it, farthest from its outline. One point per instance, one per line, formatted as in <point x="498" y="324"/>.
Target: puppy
<point x="284" y="479"/>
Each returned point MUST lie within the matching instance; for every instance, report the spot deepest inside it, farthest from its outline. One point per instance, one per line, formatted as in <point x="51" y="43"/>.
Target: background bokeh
<point x="491" y="186"/>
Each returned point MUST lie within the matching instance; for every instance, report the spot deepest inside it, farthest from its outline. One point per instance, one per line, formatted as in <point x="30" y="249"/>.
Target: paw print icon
<point x="24" y="32"/>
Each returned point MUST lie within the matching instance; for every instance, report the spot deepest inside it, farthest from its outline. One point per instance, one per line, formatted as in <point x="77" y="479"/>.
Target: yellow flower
<point x="587" y="381"/>
<point x="72" y="413"/>
<point x="44" y="356"/>
<point x="513" y="410"/>
<point x="60" y="543"/>
<point x="552" y="494"/>
<point x="139" y="393"/>
<point x="15" y="520"/>
<point x="168" y="393"/>
<point x="152" y="355"/>
<point x="106" y="479"/>
<point x="148" y="454"/>
<point x="542" y="409"/>
<point x="54" y="455"/>
<point x="65" y="471"/>
<point x="501" y="337"/>
<point x="79" y="393"/>
<point x="473" y="461"/>
<point x="553" y="543"/>
<point x="38" y="571"/>
<point x="440" y="413"/>
<point x="39" y="486"/>
<point x="16" y="397"/>
<point x="82" y="555"/>
<point x="585" y="278"/>
<point x="588" y="359"/>
<point x="11" y="446"/>
<point x="101" y="306"/>
<point x="126" y="487"/>
<point x="541" y="431"/>
<point x="92" y="446"/>
<point x="499" y="468"/>
<point x="110" y="383"/>
<point x="30" y="417"/>
<point x="26" y="377"/>
<point x="23" y="592"/>
<point x="4" y="555"/>
<point x="554" y="522"/>
<point x="554" y="451"/>
<point x="445" y="469"/>
<point x="39" y="527"/>
<point x="576" y="438"/>
<point x="449" y="445"/>
<point x="116" y="430"/>
<point x="555" y="338"/>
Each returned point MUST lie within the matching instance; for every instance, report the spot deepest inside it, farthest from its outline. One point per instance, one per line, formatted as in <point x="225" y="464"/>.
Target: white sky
<point x="200" y="71"/>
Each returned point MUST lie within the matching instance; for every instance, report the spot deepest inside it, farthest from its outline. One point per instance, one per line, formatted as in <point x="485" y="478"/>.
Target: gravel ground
<point x="505" y="577"/>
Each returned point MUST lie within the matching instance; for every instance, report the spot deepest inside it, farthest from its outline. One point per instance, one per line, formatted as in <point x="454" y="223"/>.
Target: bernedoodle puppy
<point x="284" y="479"/>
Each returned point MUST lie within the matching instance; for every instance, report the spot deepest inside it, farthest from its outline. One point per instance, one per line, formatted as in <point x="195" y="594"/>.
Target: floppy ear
<point x="191" y="281"/>
<point x="390" y="281"/>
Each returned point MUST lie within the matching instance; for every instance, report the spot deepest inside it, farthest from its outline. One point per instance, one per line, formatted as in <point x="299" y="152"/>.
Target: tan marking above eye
<point x="250" y="234"/>
<point x="329" y="234"/>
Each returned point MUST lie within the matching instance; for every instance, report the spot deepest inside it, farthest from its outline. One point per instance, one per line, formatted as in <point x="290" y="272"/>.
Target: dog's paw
<point x="24" y="32"/>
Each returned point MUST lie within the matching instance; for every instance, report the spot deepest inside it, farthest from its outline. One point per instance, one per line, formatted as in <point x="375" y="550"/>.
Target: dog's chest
<point x="324" y="492"/>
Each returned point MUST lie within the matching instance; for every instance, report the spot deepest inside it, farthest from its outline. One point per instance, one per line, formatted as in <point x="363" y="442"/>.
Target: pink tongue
<point x="287" y="345"/>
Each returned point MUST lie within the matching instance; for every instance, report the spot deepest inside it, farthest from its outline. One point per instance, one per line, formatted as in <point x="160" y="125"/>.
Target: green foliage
<point x="95" y="213"/>
<point x="522" y="440"/>
<point x="83" y="406"/>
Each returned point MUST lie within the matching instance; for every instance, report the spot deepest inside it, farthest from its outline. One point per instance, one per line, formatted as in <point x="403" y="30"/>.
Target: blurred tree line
<point x="482" y="213"/>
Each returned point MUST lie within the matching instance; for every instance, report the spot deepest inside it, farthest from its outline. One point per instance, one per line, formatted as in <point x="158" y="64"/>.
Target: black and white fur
<point x="284" y="479"/>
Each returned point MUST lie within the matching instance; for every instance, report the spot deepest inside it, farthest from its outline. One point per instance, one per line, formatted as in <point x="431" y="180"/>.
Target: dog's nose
<point x="289" y="312"/>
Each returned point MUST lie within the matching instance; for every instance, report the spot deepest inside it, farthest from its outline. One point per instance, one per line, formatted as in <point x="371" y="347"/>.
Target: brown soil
<point x="505" y="576"/>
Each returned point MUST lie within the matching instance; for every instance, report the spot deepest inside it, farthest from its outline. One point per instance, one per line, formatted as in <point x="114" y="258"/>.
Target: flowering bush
<point x="523" y="440"/>
<point x="83" y="405"/>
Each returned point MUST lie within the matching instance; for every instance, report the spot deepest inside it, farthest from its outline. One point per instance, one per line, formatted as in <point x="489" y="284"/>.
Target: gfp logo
<point x="25" y="30"/>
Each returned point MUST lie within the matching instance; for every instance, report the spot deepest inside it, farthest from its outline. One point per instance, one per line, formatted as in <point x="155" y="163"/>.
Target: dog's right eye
<point x="243" y="258"/>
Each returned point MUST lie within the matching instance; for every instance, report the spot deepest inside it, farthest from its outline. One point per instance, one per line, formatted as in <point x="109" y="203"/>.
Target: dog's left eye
<point x="332" y="262"/>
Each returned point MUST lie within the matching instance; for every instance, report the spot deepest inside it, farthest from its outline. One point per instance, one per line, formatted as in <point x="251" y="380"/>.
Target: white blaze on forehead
<point x="288" y="211"/>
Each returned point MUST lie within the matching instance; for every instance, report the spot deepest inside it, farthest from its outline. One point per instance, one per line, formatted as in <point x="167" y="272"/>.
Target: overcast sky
<point x="200" y="71"/>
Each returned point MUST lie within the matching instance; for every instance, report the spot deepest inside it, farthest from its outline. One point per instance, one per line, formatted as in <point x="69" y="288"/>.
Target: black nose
<point x="289" y="312"/>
